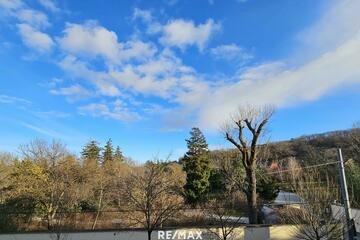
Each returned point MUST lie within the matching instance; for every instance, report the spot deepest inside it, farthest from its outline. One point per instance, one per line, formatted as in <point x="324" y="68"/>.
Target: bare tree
<point x="290" y="172"/>
<point x="224" y="221"/>
<point x="104" y="181"/>
<point x="42" y="152"/>
<point x="244" y="131"/>
<point x="313" y="220"/>
<point x="151" y="195"/>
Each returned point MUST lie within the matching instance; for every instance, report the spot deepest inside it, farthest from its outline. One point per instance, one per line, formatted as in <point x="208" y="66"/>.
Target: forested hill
<point x="315" y="148"/>
<point x="318" y="148"/>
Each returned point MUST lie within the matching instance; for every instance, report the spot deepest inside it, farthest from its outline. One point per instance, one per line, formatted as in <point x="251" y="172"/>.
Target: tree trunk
<point x="149" y="234"/>
<point x="49" y="221"/>
<point x="98" y="210"/>
<point x="251" y="196"/>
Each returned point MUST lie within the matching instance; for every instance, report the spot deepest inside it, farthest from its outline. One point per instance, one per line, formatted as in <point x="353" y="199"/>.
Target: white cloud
<point x="137" y="50"/>
<point x="35" y="39"/>
<point x="101" y="80"/>
<point x="11" y="99"/>
<point x="73" y="93"/>
<point x="90" y="39"/>
<point x="147" y="85"/>
<point x="24" y="14"/>
<point x="144" y="15"/>
<point x="161" y="76"/>
<point x="32" y="17"/>
<point x="10" y="5"/>
<point x="231" y="52"/>
<point x="339" y="23"/>
<point x="50" y="5"/>
<point x="93" y="40"/>
<point x="102" y="110"/>
<point x="42" y="131"/>
<point x="162" y="73"/>
<point x="51" y="114"/>
<point x="308" y="82"/>
<point x="182" y="33"/>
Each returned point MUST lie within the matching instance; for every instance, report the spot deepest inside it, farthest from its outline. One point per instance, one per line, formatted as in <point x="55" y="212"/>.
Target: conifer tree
<point x="197" y="167"/>
<point x="118" y="155"/>
<point x="91" y="152"/>
<point x="108" y="152"/>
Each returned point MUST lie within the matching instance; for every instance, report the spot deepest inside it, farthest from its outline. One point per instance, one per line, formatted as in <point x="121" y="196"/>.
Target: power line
<point x="302" y="168"/>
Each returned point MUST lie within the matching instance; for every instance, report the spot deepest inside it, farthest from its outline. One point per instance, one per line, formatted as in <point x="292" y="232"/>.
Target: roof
<point x="288" y="198"/>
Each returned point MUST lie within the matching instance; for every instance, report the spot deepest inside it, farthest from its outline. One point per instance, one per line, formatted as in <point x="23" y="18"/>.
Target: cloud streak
<point x="13" y="100"/>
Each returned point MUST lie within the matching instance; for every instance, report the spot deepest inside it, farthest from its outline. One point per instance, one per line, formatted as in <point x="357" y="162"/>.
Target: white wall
<point x="279" y="232"/>
<point x="126" y="235"/>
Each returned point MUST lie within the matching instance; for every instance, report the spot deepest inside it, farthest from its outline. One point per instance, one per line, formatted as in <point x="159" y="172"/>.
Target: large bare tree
<point x="151" y="195"/>
<point x="244" y="130"/>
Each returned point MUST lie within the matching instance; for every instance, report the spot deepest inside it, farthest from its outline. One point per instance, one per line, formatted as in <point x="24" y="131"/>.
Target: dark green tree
<point x="217" y="183"/>
<point x="267" y="187"/>
<point x="91" y="152"/>
<point x="118" y="155"/>
<point x="196" y="164"/>
<point x="108" y="152"/>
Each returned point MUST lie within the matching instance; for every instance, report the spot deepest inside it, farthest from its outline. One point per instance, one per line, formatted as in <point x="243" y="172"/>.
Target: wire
<point x="302" y="168"/>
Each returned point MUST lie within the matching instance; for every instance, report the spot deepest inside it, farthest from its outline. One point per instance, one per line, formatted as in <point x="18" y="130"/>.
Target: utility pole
<point x="349" y="228"/>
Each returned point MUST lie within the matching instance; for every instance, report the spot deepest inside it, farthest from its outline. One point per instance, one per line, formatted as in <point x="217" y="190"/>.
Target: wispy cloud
<point x="51" y="114"/>
<point x="49" y="5"/>
<point x="11" y="100"/>
<point x="72" y="93"/>
<point x="231" y="52"/>
<point x="118" y="112"/>
<point x="144" y="15"/>
<point x="43" y="131"/>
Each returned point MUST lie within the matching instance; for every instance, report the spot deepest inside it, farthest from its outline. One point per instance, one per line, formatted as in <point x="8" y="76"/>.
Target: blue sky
<point x="144" y="72"/>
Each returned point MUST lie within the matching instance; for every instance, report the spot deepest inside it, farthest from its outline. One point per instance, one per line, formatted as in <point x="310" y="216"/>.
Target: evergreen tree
<point x="108" y="152"/>
<point x="91" y="152"/>
<point x="118" y="156"/>
<point x="197" y="167"/>
<point x="196" y="144"/>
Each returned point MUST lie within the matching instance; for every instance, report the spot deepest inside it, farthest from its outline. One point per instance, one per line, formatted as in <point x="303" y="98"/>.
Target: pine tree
<point x="91" y="152"/>
<point x="108" y="152"/>
<point x="196" y="144"/>
<point x="197" y="167"/>
<point x="118" y="156"/>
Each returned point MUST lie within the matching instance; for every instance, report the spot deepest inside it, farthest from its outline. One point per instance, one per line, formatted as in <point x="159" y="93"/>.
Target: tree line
<point x="48" y="183"/>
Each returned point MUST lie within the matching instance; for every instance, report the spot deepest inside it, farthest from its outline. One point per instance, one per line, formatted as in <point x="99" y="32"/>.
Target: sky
<point x="144" y="72"/>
